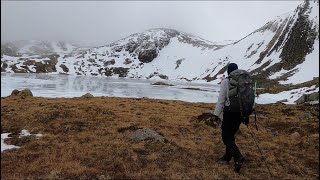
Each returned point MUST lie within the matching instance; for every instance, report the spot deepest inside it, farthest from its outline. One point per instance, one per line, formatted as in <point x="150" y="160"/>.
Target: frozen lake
<point x="56" y="85"/>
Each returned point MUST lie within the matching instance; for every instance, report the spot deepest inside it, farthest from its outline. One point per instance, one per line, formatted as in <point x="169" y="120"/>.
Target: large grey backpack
<point x="241" y="93"/>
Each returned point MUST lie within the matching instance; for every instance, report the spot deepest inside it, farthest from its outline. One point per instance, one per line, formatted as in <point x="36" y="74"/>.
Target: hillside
<point x="95" y="138"/>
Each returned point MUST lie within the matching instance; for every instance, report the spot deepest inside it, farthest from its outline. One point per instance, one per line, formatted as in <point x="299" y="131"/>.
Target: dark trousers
<point x="230" y="125"/>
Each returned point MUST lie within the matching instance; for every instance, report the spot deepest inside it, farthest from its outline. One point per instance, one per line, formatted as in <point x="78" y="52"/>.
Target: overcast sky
<point x="103" y="22"/>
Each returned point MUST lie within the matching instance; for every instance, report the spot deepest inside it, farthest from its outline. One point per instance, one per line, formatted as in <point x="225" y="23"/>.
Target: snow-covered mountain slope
<point x="285" y="50"/>
<point x="36" y="47"/>
<point x="34" y="55"/>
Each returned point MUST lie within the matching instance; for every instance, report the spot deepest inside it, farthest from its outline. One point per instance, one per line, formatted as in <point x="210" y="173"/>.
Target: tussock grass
<point x="89" y="139"/>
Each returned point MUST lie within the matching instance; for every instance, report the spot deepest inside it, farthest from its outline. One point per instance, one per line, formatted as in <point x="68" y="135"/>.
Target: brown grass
<point x="88" y="139"/>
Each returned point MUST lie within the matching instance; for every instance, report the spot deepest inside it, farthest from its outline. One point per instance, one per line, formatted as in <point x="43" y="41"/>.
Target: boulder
<point x="313" y="96"/>
<point x="3" y="66"/>
<point x="163" y="76"/>
<point x="24" y="93"/>
<point x="64" y="68"/>
<point x="15" y="92"/>
<point x="208" y="119"/>
<point x="308" y="97"/>
<point x="87" y="95"/>
<point x="146" y="134"/>
<point x="301" y="100"/>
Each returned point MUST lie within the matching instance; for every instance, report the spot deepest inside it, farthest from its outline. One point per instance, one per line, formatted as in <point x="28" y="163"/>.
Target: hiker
<point x="230" y="123"/>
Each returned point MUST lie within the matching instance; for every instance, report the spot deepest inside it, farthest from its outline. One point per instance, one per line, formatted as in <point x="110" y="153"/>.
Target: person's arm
<point x="222" y="97"/>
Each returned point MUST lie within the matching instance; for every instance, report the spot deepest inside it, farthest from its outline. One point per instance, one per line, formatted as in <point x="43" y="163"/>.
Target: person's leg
<point x="235" y="152"/>
<point x="236" y="121"/>
<point x="227" y="136"/>
<point x="230" y="125"/>
<point x="226" y="156"/>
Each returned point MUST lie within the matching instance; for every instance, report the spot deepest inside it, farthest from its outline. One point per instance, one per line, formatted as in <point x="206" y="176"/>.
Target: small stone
<point x="162" y="83"/>
<point x="295" y="136"/>
<point x="275" y="133"/>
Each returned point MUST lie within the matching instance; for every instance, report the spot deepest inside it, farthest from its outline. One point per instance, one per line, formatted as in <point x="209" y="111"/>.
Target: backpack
<point x="241" y="93"/>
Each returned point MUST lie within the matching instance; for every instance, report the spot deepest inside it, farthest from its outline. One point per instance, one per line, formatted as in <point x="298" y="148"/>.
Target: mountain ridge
<point x="276" y="53"/>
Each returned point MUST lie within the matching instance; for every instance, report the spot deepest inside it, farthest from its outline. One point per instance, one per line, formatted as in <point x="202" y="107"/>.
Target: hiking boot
<point x="225" y="158"/>
<point x="238" y="163"/>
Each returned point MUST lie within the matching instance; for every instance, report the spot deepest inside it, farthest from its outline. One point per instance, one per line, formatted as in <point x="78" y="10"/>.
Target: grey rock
<point x="283" y="100"/>
<point x="162" y="83"/>
<point x="146" y="134"/>
<point x="308" y="97"/>
<point x="295" y="136"/>
<point x="313" y="96"/>
<point x="301" y="100"/>
<point x="313" y="102"/>
<point x="275" y="133"/>
<point x="64" y="68"/>
<point x="15" y="92"/>
<point x="87" y="95"/>
<point x="24" y="93"/>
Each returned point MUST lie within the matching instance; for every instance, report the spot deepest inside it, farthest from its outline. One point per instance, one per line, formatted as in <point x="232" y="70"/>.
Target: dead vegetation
<point x="88" y="139"/>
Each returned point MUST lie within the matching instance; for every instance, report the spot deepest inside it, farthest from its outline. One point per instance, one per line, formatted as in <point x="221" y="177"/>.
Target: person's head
<point x="232" y="67"/>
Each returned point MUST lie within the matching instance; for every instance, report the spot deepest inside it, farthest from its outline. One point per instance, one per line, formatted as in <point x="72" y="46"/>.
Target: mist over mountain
<point x="283" y="51"/>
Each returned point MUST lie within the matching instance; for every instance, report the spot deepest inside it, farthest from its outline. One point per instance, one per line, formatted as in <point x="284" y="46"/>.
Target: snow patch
<point x="5" y="146"/>
<point x="24" y="132"/>
<point x="278" y="74"/>
<point x="308" y="69"/>
<point x="290" y="96"/>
